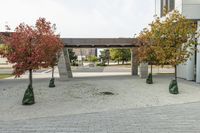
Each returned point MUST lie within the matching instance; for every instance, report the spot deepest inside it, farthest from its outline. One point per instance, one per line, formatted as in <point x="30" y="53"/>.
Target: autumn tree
<point x="50" y="45"/>
<point x="24" y="54"/>
<point x="171" y="40"/>
<point x="174" y="38"/>
<point x="146" y="51"/>
<point x="28" y="49"/>
<point x="1" y="49"/>
<point x="178" y="36"/>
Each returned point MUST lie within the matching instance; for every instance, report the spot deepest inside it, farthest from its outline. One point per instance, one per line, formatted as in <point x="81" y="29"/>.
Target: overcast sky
<point x="81" y="18"/>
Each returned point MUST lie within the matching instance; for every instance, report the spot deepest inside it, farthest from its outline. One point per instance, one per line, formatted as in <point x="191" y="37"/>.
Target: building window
<point x="169" y="4"/>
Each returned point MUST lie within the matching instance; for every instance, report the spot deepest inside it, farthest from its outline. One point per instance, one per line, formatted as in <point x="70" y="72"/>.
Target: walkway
<point x="182" y="118"/>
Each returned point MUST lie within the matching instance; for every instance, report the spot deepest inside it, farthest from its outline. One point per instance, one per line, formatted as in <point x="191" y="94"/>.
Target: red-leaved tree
<point x="51" y="45"/>
<point x="29" y="48"/>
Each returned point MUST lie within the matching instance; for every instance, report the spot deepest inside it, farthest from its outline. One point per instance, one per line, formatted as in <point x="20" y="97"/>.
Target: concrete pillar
<point x="198" y="58"/>
<point x="134" y="62"/>
<point x="143" y="70"/>
<point x="64" y="67"/>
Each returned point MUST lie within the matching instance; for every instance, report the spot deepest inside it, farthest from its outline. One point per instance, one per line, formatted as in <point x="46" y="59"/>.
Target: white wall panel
<point x="178" y="5"/>
<point x="198" y="59"/>
<point x="190" y="68"/>
<point x="158" y="7"/>
<point x="181" y="71"/>
<point x="198" y="66"/>
<point x="190" y="2"/>
<point x="191" y="11"/>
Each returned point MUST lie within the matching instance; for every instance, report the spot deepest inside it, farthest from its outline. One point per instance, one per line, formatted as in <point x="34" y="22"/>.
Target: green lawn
<point x="2" y="76"/>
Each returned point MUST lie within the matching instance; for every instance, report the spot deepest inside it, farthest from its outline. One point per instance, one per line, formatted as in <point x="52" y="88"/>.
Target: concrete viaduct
<point x="64" y="62"/>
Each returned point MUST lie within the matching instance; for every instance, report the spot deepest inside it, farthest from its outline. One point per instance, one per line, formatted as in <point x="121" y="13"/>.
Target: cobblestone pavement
<point x="182" y="118"/>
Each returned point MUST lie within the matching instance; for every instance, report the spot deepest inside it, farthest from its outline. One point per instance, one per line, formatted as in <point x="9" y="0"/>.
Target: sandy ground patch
<point x="81" y="95"/>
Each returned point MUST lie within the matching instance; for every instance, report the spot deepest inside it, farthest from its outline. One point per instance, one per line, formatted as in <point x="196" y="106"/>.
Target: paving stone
<point x="182" y="118"/>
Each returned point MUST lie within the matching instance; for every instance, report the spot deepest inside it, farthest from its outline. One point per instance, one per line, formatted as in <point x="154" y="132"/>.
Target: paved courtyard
<point x="182" y="118"/>
<point x="77" y="106"/>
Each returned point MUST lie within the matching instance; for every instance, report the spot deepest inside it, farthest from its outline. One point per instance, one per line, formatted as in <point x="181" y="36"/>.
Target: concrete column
<point x="198" y="58"/>
<point x="64" y="67"/>
<point x="143" y="70"/>
<point x="134" y="62"/>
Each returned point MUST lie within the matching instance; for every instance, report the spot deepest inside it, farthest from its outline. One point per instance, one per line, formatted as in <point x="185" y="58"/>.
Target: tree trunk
<point x="122" y="62"/>
<point x="173" y="87"/>
<point x="52" y="71"/>
<point x="28" y="98"/>
<point x="30" y="78"/>
<point x="149" y="79"/>
<point x="175" y="74"/>
<point x="118" y="62"/>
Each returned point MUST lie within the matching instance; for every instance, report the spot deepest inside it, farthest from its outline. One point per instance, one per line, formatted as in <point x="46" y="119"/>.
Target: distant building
<point x="190" y="70"/>
<point x="85" y="52"/>
<point x="161" y="4"/>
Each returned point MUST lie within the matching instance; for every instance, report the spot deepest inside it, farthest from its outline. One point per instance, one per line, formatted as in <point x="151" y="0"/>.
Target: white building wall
<point x="181" y="71"/>
<point x="191" y="9"/>
<point x="198" y="59"/>
<point x="178" y="5"/>
<point x="157" y="7"/>
<point x="198" y="66"/>
<point x="187" y="69"/>
<point x="190" y="68"/>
